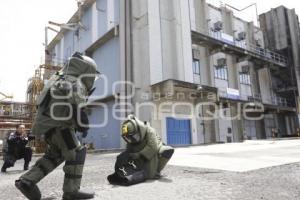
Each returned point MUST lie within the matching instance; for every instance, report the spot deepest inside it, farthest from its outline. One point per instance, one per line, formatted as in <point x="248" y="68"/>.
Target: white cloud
<point x="22" y="26"/>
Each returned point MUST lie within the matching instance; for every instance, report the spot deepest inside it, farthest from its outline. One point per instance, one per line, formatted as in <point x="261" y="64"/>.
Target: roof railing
<point x="259" y="51"/>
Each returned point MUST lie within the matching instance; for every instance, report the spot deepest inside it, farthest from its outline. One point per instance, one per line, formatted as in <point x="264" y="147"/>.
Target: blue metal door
<point x="178" y="131"/>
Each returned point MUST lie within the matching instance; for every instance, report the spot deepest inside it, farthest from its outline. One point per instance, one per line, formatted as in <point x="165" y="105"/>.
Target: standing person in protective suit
<point x="145" y="155"/>
<point x="16" y="148"/>
<point x="57" y="121"/>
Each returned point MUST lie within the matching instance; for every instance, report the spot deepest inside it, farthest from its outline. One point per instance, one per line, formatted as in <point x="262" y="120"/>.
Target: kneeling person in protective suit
<point x="145" y="155"/>
<point x="57" y="122"/>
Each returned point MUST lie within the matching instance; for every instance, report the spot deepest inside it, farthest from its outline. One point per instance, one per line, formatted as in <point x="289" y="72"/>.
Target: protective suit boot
<point x="28" y="189"/>
<point x="158" y="175"/>
<point x="78" y="195"/>
<point x="3" y="169"/>
<point x="26" y="166"/>
<point x="167" y="153"/>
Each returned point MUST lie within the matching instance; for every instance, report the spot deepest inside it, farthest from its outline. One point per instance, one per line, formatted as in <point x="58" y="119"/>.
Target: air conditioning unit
<point x="258" y="42"/>
<point x="242" y="36"/>
<point x="245" y="69"/>
<point x="218" y="26"/>
<point x="221" y="62"/>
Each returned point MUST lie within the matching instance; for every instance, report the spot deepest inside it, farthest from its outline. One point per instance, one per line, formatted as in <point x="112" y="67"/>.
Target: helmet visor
<point x="130" y="133"/>
<point x="132" y="139"/>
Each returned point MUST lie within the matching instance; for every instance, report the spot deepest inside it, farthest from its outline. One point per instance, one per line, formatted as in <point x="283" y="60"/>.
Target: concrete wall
<point x="265" y="85"/>
<point x="224" y="132"/>
<point x="254" y="75"/>
<point x="293" y="24"/>
<point x="214" y="15"/>
<point x="140" y="44"/>
<point x="58" y="56"/>
<point x="227" y="18"/>
<point x="161" y="41"/>
<point x="161" y="35"/>
<point x="155" y="42"/>
<point x="108" y="67"/>
<point x="258" y="35"/>
<point x="274" y="26"/>
<point x="176" y="40"/>
<point x="201" y="15"/>
<point x="68" y="48"/>
<point x="98" y="19"/>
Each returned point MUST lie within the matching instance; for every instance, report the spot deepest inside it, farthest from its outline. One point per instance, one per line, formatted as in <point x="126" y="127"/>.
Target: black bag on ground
<point x="127" y="171"/>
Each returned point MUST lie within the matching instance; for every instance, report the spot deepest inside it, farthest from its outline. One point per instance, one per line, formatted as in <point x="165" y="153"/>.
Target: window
<point x="229" y="130"/>
<point x="196" y="66"/>
<point x="245" y="79"/>
<point x="221" y="73"/>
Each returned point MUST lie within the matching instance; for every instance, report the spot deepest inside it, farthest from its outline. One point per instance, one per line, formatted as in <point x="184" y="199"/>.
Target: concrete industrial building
<point x="182" y="56"/>
<point x="12" y="114"/>
<point x="281" y="30"/>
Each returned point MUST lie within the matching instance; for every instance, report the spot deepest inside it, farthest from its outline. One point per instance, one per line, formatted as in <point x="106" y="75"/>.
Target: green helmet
<point x="134" y="130"/>
<point x="130" y="132"/>
<point x="79" y="65"/>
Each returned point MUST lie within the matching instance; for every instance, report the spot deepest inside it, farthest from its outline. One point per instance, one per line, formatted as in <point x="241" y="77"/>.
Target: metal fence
<point x="259" y="51"/>
<point x="274" y="100"/>
<point x="19" y="111"/>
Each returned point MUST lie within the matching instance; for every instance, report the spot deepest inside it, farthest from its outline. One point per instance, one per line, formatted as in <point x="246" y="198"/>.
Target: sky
<point x="22" y="34"/>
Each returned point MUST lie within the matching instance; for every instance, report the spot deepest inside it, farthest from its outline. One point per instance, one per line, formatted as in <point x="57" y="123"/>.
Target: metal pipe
<point x="46" y="38"/>
<point x="239" y="10"/>
<point x="126" y="55"/>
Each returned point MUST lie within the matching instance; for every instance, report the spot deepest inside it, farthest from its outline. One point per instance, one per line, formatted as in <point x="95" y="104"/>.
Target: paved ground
<point x="240" y="157"/>
<point x="214" y="175"/>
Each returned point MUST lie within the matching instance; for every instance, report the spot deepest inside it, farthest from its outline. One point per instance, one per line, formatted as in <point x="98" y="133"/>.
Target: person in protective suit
<point x="58" y="118"/>
<point x="145" y="155"/>
<point x="16" y="148"/>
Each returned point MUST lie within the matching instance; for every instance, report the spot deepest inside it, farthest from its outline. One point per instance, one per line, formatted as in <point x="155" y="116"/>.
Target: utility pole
<point x="4" y="96"/>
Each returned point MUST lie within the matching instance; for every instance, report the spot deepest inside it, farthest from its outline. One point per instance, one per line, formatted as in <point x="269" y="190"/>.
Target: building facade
<point x="191" y="69"/>
<point x="281" y="30"/>
<point x="13" y="114"/>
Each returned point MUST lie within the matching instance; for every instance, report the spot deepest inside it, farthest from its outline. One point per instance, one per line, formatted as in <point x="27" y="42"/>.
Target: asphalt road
<point x="278" y="182"/>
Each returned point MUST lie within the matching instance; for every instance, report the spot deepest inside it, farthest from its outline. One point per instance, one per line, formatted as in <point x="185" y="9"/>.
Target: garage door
<point x="178" y="131"/>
